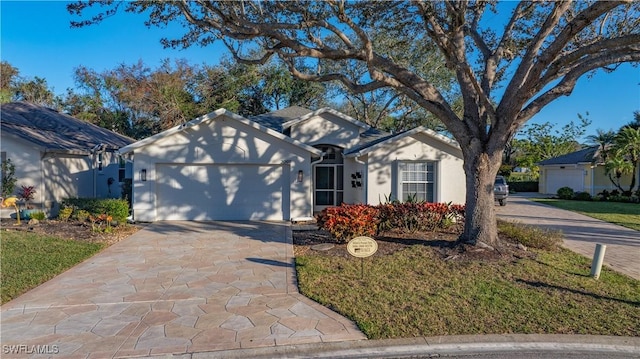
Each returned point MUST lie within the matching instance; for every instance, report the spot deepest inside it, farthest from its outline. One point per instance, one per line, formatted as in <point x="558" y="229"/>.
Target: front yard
<point x="622" y="214"/>
<point x="33" y="254"/>
<point x="30" y="259"/>
<point x="420" y="289"/>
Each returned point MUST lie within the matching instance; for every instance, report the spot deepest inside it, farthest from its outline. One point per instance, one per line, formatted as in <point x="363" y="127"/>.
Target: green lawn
<point x="623" y="214"/>
<point x="414" y="292"/>
<point x="29" y="260"/>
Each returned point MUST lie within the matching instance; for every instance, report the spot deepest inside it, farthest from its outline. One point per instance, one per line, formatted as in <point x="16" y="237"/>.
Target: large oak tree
<point x="510" y="59"/>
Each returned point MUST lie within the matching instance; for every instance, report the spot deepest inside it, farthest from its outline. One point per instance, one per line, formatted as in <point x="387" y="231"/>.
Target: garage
<point x="564" y="177"/>
<point x="222" y="192"/>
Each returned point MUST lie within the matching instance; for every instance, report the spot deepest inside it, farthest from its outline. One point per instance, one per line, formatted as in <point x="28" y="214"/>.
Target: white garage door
<point x="221" y="192"/>
<point x="558" y="178"/>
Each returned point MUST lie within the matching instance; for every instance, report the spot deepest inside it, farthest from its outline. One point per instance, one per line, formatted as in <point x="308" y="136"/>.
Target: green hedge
<point x="117" y="208"/>
<point x="524" y="186"/>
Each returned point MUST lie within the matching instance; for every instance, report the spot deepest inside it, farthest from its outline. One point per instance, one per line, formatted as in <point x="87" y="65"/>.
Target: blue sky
<point x="36" y="38"/>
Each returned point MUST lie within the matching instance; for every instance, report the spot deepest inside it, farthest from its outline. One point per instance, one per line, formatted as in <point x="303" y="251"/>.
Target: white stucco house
<point x="286" y="164"/>
<point x="59" y="155"/>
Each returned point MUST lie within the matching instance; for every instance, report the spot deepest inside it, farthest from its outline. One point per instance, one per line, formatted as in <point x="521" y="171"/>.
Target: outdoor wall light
<point x="143" y="174"/>
<point x="300" y="176"/>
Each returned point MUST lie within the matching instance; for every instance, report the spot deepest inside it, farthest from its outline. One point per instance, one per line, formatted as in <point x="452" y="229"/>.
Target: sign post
<point x="362" y="247"/>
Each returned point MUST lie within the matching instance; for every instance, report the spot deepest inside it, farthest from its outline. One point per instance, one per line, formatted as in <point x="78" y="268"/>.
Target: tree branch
<point x="568" y="82"/>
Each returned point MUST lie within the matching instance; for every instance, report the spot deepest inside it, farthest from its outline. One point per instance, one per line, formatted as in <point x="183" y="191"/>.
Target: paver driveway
<point x="174" y="287"/>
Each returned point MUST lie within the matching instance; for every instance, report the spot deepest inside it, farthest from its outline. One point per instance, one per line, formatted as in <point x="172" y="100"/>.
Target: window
<point x="100" y="161"/>
<point x="121" y="169"/>
<point x="417" y="181"/>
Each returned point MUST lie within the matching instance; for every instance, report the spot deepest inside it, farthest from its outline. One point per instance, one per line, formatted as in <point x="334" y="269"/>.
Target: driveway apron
<point x="582" y="233"/>
<point x="174" y="287"/>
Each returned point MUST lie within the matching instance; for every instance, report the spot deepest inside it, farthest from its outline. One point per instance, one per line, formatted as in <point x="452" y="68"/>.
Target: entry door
<point x="328" y="186"/>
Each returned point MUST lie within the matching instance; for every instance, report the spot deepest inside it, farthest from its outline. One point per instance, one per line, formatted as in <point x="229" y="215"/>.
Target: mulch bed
<point x="72" y="230"/>
<point x="444" y="241"/>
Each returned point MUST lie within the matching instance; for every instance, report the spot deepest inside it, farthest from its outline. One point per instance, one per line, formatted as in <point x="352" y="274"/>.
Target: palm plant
<point x="626" y="160"/>
<point x="603" y="139"/>
<point x="615" y="168"/>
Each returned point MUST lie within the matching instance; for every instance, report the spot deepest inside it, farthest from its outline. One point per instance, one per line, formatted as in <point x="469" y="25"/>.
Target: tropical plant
<point x="627" y="148"/>
<point x="603" y="139"/>
<point x="8" y="178"/>
<point x="27" y="193"/>
<point x="615" y="168"/>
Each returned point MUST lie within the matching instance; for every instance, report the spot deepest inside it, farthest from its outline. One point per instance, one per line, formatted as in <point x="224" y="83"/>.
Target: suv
<point x="501" y="190"/>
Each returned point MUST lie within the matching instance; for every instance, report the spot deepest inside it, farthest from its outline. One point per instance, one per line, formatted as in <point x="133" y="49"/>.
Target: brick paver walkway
<point x="174" y="287"/>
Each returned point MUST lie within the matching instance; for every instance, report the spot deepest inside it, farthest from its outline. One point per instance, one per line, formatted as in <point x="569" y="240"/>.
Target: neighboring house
<point x="583" y="171"/>
<point x="59" y="155"/>
<point x="286" y="164"/>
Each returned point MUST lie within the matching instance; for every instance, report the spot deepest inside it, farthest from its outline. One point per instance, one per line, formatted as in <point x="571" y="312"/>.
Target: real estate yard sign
<point x="362" y="247"/>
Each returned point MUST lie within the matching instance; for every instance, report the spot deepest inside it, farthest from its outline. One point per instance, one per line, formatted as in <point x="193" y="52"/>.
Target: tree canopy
<point x="509" y="60"/>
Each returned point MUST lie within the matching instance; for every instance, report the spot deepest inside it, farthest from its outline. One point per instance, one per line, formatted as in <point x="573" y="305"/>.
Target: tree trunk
<point x="480" y="225"/>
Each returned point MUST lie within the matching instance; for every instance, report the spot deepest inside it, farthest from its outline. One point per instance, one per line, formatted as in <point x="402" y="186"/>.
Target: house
<point x="582" y="170"/>
<point x="286" y="164"/>
<point x="59" y="155"/>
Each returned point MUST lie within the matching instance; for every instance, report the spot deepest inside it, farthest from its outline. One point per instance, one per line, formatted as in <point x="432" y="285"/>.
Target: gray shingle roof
<point x="587" y="155"/>
<point x="275" y="119"/>
<point x="55" y="131"/>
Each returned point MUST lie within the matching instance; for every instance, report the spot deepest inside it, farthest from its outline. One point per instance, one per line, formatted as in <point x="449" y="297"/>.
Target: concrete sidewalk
<point x="581" y="233"/>
<point x="174" y="288"/>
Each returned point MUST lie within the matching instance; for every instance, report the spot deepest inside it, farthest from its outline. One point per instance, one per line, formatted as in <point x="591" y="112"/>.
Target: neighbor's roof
<point x="211" y="117"/>
<point x="381" y="140"/>
<point x="587" y="155"/>
<point x="54" y="131"/>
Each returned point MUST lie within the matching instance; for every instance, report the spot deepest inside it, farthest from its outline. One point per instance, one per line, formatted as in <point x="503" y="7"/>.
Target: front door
<point x="328" y="179"/>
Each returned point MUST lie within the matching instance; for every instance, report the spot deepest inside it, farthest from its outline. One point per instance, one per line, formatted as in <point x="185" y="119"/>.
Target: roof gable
<point x="319" y="112"/>
<point x="384" y="140"/>
<point x="212" y="116"/>
<point x="55" y="131"/>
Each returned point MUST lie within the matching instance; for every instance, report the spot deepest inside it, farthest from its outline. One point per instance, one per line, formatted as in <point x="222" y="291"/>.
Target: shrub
<point x="116" y="208"/>
<point x="82" y="215"/>
<point x="39" y="215"/>
<point x="582" y="196"/>
<point x="528" y="186"/>
<point x="530" y="236"/>
<point x="414" y="217"/>
<point x="604" y="195"/>
<point x="349" y="221"/>
<point x="8" y="178"/>
<point x="65" y="213"/>
<point x="565" y="193"/>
